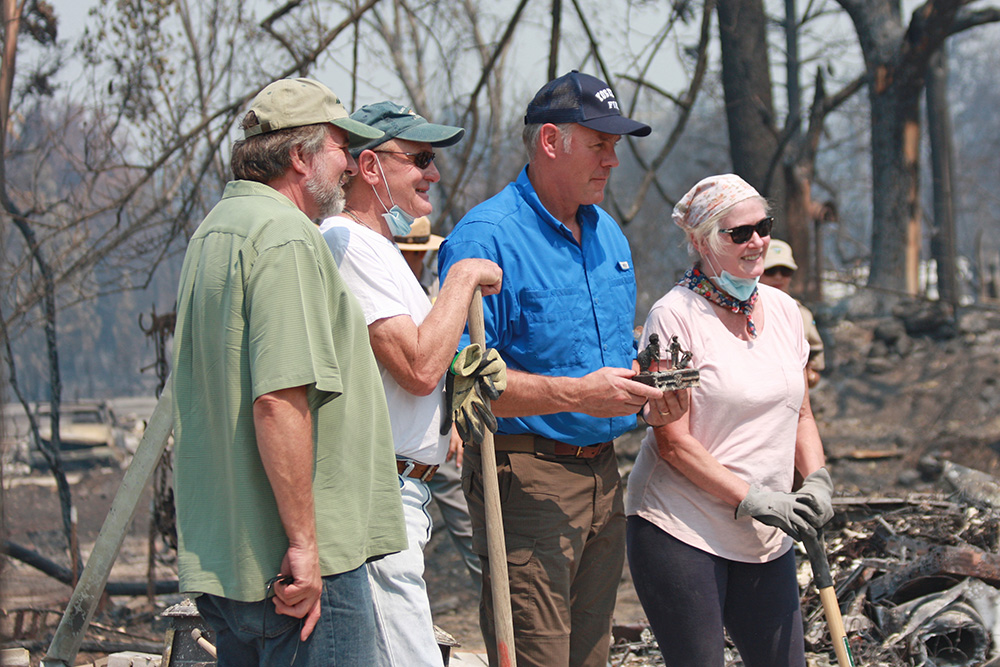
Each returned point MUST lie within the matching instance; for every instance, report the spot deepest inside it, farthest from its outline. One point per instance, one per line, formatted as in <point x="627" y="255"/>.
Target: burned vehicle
<point x="88" y="436"/>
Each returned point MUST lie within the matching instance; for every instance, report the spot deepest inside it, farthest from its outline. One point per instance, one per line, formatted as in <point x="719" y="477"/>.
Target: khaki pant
<point x="564" y="529"/>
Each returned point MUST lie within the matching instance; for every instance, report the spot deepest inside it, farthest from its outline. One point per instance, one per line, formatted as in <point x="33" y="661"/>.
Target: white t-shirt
<point x="745" y="413"/>
<point x="381" y="280"/>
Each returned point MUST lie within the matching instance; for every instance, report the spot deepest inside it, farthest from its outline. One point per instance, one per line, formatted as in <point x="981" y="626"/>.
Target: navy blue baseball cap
<point x="399" y="122"/>
<point x="584" y="99"/>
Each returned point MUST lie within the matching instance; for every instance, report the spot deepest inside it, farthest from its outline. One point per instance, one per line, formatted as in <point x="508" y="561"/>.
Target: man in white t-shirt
<point x="419" y="249"/>
<point x="414" y="344"/>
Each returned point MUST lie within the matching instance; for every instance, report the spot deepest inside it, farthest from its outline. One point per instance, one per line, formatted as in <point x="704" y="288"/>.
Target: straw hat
<point x="420" y="237"/>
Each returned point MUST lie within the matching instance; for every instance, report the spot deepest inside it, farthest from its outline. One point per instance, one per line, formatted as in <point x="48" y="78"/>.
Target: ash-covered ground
<point x="901" y="396"/>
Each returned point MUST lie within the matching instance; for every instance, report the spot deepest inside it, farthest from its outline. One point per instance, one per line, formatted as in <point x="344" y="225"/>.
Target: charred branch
<point x="65" y="576"/>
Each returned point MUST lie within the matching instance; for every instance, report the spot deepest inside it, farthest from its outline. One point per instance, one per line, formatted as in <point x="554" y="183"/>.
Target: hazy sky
<point x="73" y="16"/>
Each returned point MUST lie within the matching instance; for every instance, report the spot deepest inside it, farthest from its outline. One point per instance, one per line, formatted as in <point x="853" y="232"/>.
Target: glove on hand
<point x="819" y="488"/>
<point x="473" y="378"/>
<point x="492" y="374"/>
<point x="787" y="511"/>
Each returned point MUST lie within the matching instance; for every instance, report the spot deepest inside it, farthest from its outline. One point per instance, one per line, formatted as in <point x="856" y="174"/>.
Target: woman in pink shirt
<point x="711" y="511"/>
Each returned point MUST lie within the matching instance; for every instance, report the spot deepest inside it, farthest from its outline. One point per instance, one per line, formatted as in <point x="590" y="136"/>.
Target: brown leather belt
<point x="536" y="444"/>
<point x="422" y="471"/>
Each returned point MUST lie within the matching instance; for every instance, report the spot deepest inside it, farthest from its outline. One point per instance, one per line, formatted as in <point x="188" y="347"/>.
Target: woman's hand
<point x="819" y="489"/>
<point x="791" y="512"/>
<point x="668" y="407"/>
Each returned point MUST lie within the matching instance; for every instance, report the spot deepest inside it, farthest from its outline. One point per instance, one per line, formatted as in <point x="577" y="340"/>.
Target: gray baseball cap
<point x="296" y="102"/>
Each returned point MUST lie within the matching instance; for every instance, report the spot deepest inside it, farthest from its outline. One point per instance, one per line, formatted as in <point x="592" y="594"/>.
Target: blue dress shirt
<point x="565" y="309"/>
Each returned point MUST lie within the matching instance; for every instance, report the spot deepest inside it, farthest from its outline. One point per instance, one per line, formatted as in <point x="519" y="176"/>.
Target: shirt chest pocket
<point x="555" y="321"/>
<point x="795" y="387"/>
<point x="616" y="314"/>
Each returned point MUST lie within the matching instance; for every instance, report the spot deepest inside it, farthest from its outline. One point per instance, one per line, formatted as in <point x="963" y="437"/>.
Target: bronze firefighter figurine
<point x="678" y="376"/>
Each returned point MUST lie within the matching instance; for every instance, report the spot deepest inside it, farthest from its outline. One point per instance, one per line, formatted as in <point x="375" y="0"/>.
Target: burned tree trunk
<point x="798" y="168"/>
<point x="746" y="79"/>
<point x="896" y="224"/>
<point x="943" y="167"/>
<point x="897" y="60"/>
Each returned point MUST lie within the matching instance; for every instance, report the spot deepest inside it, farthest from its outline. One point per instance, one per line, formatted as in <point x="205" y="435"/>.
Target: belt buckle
<point x="579" y="453"/>
<point x="428" y="473"/>
<point x="408" y="468"/>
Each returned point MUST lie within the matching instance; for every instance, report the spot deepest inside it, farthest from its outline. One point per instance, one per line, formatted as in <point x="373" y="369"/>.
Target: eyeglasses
<point x="744" y="233"/>
<point x="783" y="271"/>
<point x="422" y="159"/>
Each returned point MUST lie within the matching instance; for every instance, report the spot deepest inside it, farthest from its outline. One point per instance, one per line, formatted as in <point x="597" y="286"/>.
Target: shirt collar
<point x="241" y="188"/>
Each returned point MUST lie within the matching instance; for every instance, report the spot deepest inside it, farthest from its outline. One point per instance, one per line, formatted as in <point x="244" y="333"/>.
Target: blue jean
<point x="402" y="610"/>
<point x="343" y="637"/>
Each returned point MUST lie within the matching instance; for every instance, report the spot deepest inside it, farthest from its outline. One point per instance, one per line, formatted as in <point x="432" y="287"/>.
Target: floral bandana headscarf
<point x="698" y="282"/>
<point x="708" y="197"/>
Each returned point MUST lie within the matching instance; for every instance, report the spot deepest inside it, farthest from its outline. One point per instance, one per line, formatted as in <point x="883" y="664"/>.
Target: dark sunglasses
<point x="422" y="159"/>
<point x="744" y="233"/>
<point x="783" y="271"/>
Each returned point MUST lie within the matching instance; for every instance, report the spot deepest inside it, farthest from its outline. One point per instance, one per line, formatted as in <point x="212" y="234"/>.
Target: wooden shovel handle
<point x="834" y="621"/>
<point x="500" y="583"/>
<point x="828" y="596"/>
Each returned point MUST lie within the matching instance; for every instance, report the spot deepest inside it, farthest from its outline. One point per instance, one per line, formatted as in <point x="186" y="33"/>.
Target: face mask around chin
<point x="739" y="288"/>
<point x="399" y="221"/>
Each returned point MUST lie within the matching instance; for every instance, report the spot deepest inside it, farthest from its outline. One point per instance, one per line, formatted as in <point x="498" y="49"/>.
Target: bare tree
<point x="38" y="22"/>
<point x="778" y="159"/>
<point x="683" y="102"/>
<point x="942" y="141"/>
<point x="99" y="196"/>
<point x="746" y="79"/>
<point x="896" y="62"/>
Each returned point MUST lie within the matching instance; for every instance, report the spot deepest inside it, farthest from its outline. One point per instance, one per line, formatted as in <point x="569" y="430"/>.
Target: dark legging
<point x="688" y="594"/>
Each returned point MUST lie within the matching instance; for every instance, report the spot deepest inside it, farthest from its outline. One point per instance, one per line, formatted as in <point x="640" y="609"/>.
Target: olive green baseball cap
<point x="401" y="122"/>
<point x="296" y="102"/>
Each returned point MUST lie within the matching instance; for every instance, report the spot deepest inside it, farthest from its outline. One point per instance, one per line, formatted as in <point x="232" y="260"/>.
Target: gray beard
<point x="329" y="197"/>
<point x="326" y="192"/>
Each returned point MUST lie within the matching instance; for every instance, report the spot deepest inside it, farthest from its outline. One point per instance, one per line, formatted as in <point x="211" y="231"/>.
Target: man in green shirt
<point x="284" y="472"/>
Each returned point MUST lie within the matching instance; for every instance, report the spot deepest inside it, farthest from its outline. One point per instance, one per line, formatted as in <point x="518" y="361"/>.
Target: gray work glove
<point x="473" y="378"/>
<point x="788" y="511"/>
<point x="492" y="374"/>
<point x="819" y="487"/>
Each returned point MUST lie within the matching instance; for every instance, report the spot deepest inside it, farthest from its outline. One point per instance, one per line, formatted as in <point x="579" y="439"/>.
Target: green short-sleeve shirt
<point x="261" y="307"/>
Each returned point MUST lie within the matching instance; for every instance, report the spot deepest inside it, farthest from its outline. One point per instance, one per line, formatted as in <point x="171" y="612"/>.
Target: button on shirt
<point x="565" y="309"/>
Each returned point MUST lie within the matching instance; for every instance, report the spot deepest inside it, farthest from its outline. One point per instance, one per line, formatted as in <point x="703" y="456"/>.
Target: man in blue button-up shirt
<point x="563" y="323"/>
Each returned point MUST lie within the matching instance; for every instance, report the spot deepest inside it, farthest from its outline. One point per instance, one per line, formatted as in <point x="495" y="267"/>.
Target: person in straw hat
<point x="415" y="246"/>
<point x="419" y="249"/>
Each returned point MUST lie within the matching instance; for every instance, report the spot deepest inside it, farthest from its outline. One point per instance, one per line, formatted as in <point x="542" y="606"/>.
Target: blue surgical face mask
<point x="738" y="288"/>
<point x="399" y="221"/>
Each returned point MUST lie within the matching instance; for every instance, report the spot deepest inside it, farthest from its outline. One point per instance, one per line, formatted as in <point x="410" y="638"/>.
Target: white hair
<point x="531" y="133"/>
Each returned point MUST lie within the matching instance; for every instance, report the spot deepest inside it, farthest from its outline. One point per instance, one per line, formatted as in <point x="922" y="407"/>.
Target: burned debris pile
<point x="917" y="579"/>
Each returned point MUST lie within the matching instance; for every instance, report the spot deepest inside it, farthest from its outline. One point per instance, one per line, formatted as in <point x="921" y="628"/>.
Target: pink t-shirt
<point x="745" y="413"/>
